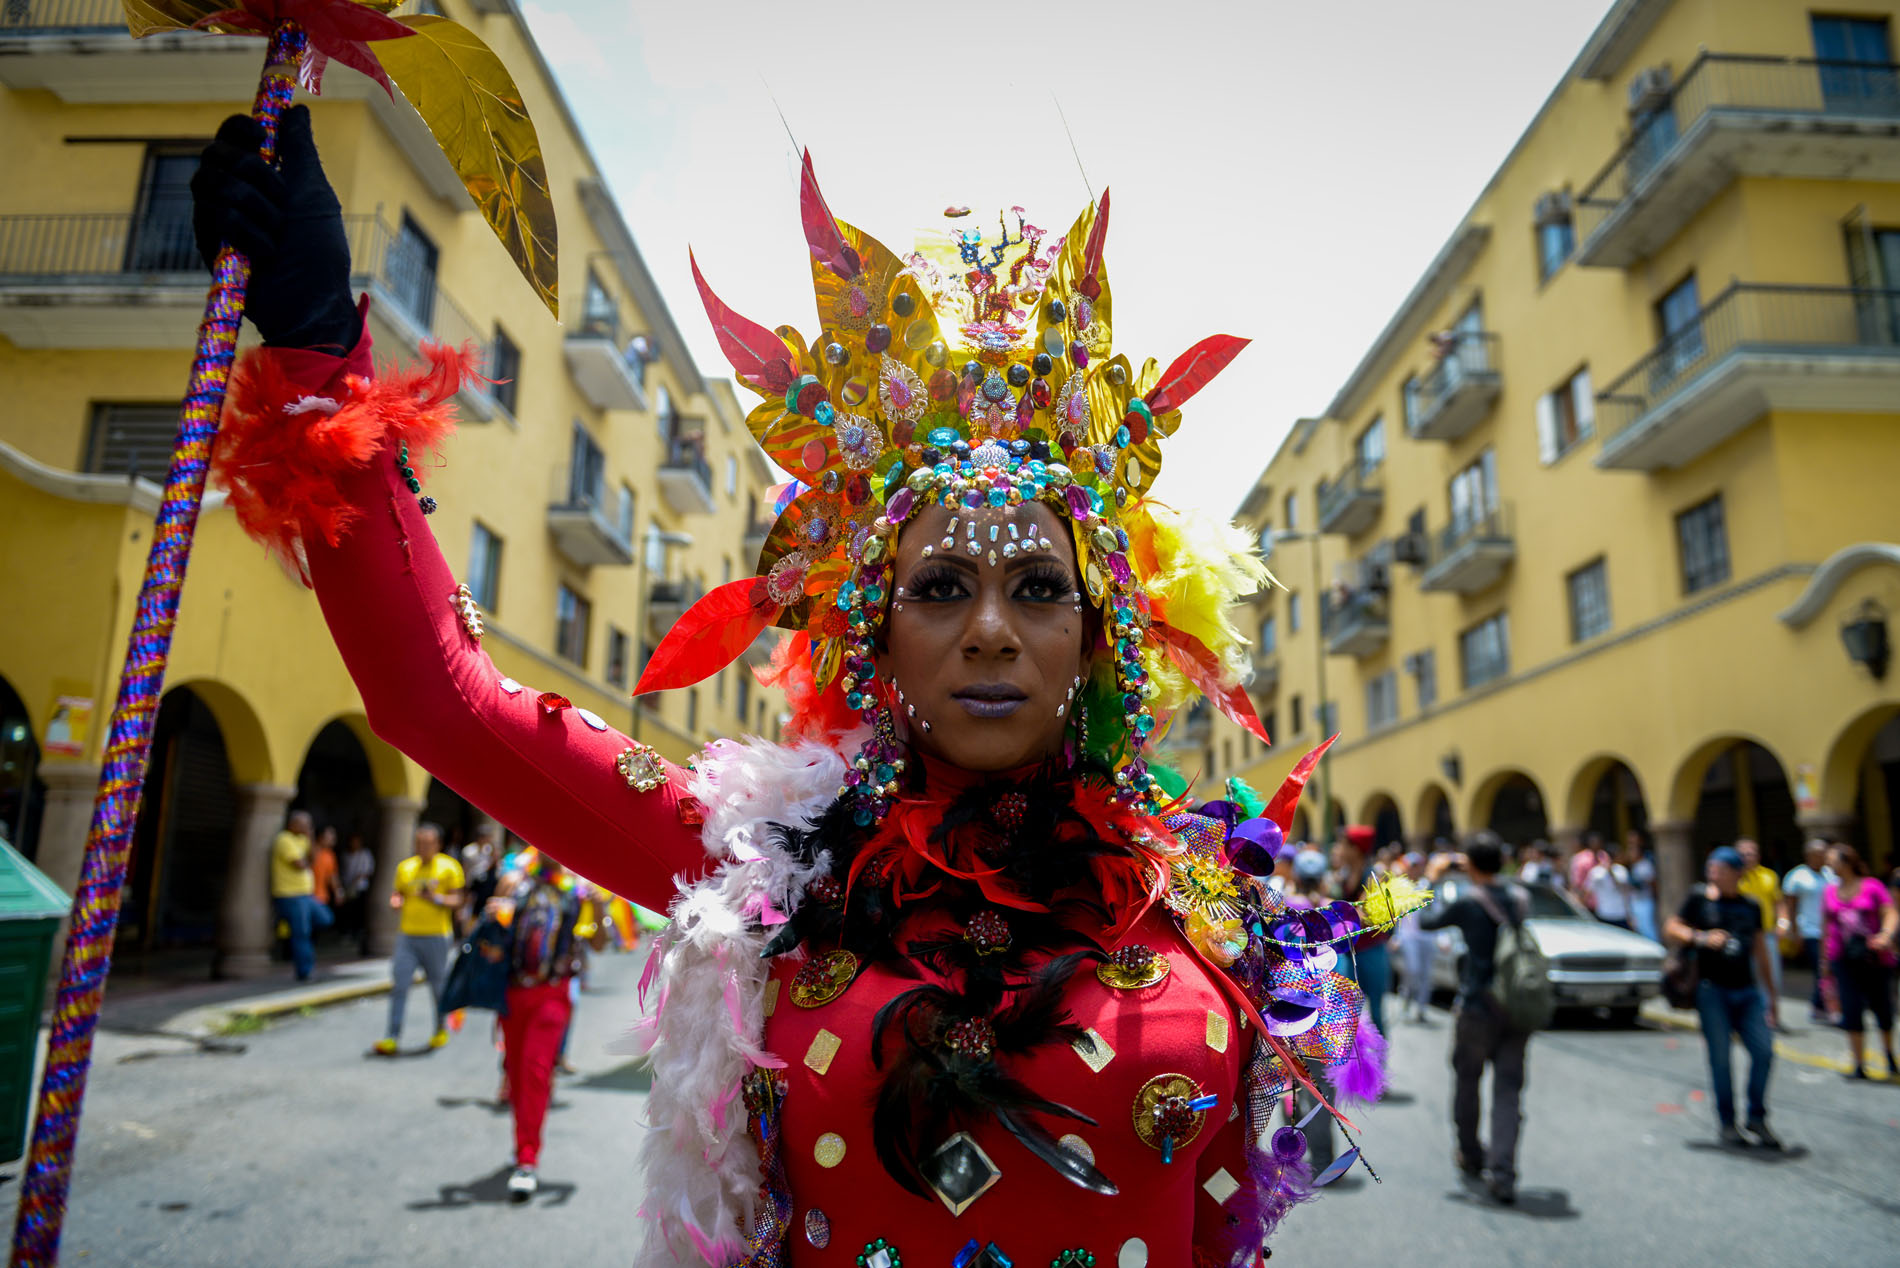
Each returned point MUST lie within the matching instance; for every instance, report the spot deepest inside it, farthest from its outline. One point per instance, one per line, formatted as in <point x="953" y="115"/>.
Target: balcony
<point x="667" y="602"/>
<point x="1732" y="116"/>
<point x="1355" y="623"/>
<point x="1266" y="673"/>
<point x="1753" y="349"/>
<point x="1459" y="391"/>
<point x="1350" y="505"/>
<point x="686" y="477"/>
<point x="80" y="52"/>
<point x="609" y="375"/>
<point x="1467" y="556"/>
<point x="583" y="530"/>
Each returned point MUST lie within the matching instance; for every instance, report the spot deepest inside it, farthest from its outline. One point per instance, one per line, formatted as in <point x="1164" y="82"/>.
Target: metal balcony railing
<point x="1358" y="480"/>
<point x="381" y="257"/>
<point x="97" y="245"/>
<point x="1354" y="622"/>
<point x="60" y="17"/>
<point x="1752" y="316"/>
<point x="1744" y="84"/>
<point x="1492" y="526"/>
<point x="1470" y="358"/>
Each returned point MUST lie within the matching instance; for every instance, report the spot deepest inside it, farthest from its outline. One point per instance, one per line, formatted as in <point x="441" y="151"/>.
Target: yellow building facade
<point x="1598" y="534"/>
<point x="586" y="500"/>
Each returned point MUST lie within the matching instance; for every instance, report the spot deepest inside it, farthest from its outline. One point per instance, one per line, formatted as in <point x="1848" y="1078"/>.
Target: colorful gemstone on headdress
<point x="817" y="1228"/>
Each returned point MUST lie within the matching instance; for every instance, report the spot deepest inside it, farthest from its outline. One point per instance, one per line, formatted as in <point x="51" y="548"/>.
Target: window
<point x="1652" y="134"/>
<point x="1270" y="722"/>
<point x="1484" y="651"/>
<point x="656" y="552"/>
<point x="409" y="272"/>
<point x="131" y="439"/>
<point x="1269" y="636"/>
<point x="1679" y="322"/>
<point x="1565" y="416"/>
<point x="692" y="711"/>
<point x="1862" y="80"/>
<point x="742" y="696"/>
<point x="1267" y="536"/>
<point x="1556" y="232"/>
<point x="1589" y="588"/>
<point x="1371" y="447"/>
<point x="719" y="686"/>
<point x="600" y="316"/>
<point x="1382" y="700"/>
<point x="1328" y="717"/>
<point x="1227" y="755"/>
<point x="1702" y="537"/>
<point x="625" y="522"/>
<point x="1408" y="403"/>
<point x="484" y="565"/>
<point x="571" y="616"/>
<point x="1474" y="493"/>
<point x="1293" y="612"/>
<point x="1292" y="515"/>
<point x="505" y="368"/>
<point x="1296" y="715"/>
<point x="161" y="240"/>
<point x="1424" y="668"/>
<point x="616" y="656"/>
<point x="732" y="476"/>
<point x="586" y="470"/>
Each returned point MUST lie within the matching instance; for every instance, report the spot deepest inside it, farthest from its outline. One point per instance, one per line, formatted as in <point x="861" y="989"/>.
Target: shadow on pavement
<point x="1770" y="1157"/>
<point x="488" y="1103"/>
<point x="1537" y="1204"/>
<point x="631" y="1076"/>
<point x="492" y="1190"/>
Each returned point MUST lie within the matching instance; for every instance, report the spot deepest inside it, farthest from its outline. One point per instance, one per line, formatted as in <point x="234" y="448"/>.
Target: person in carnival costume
<point x="956" y="975"/>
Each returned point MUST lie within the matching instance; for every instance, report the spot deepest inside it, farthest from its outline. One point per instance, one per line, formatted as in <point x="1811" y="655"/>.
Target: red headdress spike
<point x="711" y="635"/>
<point x="758" y="356"/>
<point x="1284" y="802"/>
<point x="1192" y="371"/>
<point x="821" y="227"/>
<point x="1092" y="252"/>
<point x="1204" y="671"/>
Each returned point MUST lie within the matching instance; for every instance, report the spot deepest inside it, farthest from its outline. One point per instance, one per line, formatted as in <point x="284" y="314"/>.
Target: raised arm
<point x="311" y="451"/>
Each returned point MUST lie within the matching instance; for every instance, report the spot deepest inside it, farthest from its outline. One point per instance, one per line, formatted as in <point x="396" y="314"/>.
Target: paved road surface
<point x="303" y="1151"/>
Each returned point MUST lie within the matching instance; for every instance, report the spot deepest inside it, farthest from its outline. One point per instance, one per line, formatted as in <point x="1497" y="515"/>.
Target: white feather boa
<point x="702" y="1032"/>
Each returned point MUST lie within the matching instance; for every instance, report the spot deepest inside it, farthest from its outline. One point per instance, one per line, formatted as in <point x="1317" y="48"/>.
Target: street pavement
<point x="291" y="1146"/>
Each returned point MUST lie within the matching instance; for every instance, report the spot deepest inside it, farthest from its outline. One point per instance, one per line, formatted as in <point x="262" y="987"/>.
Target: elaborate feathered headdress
<point x="982" y="378"/>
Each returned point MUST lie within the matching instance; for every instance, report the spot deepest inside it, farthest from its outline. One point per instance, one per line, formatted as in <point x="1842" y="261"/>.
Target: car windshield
<point x="1546" y="902"/>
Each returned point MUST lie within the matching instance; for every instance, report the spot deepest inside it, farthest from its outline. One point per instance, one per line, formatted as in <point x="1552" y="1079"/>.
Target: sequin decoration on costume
<point x="553" y="702"/>
<point x="1132" y="967"/>
<point x="973" y="1037"/>
<point x="823" y="978"/>
<point x="1077" y="1258"/>
<point x="959" y="1172"/>
<point x="764" y="1095"/>
<point x="641" y="766"/>
<point x="1077" y="1146"/>
<point x="987" y="932"/>
<point x="1169" y="1112"/>
<point x="817" y="1228"/>
<point x="463" y="601"/>
<point x="828" y="1150"/>
<point x="822" y="1052"/>
<point x="977" y="1254"/>
<point x="880" y="1254"/>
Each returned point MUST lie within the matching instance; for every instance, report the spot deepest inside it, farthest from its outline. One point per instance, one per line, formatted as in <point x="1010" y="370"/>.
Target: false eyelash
<point x="921" y="582"/>
<point x="1052" y="575"/>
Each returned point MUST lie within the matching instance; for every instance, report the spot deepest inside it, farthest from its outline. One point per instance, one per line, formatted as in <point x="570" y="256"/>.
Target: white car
<point x="1592" y="965"/>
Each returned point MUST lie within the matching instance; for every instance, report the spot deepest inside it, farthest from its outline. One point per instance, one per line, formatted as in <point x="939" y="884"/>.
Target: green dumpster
<point x="31" y="908"/>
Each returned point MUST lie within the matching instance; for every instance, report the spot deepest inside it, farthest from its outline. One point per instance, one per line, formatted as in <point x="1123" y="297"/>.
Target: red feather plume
<point x="1192" y="371"/>
<point x="757" y="355"/>
<point x="1098" y="237"/>
<point x="711" y="635"/>
<point x="1284" y="802"/>
<point x="1204" y="671"/>
<point x="821" y="227"/>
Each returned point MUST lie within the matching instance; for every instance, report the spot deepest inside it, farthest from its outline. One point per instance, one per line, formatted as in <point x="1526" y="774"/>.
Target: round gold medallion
<point x="1131" y="968"/>
<point x="828" y="1150"/>
<point x="824" y="978"/>
<point x="1161" y="1111"/>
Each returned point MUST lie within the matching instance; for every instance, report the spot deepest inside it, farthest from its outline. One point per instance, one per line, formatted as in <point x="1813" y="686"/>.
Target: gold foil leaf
<point x="475" y="112"/>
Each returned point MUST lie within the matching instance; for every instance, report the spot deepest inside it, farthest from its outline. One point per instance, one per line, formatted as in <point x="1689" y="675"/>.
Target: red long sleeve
<point x="427" y="686"/>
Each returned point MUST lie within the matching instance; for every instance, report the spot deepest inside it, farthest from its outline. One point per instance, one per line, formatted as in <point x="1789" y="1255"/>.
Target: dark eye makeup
<point x="1041" y="582"/>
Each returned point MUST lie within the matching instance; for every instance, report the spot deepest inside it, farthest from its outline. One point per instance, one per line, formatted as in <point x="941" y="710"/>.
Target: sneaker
<point x="385" y="1048"/>
<point x="1467" y="1167"/>
<point x="1732" y="1138"/>
<point x="1503" y="1189"/>
<point x="1857" y="1073"/>
<point x="1763" y="1137"/>
<point x="522" y="1184"/>
<point x="440" y="1039"/>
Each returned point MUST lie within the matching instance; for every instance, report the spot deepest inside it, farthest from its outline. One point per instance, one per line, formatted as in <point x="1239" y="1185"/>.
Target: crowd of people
<point x="526" y="925"/>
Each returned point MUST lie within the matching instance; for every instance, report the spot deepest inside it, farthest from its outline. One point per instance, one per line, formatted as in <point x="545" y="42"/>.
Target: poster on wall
<point x="69" y="727"/>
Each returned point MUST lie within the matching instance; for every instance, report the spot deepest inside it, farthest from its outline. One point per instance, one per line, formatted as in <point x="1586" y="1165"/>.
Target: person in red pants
<point x="539" y="905"/>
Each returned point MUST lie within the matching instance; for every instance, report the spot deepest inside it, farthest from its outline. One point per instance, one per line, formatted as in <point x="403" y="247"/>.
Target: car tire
<point x="1623" y="1016"/>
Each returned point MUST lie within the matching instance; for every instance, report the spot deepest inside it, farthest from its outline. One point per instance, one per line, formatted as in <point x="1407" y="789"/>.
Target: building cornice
<point x="1623" y="28"/>
<point x="1445" y="271"/>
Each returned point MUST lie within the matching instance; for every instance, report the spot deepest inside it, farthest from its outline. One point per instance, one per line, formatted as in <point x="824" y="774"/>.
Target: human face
<point x="1727" y="881"/>
<point x="427" y="842"/>
<point x="1750" y="852"/>
<point x="986" y="656"/>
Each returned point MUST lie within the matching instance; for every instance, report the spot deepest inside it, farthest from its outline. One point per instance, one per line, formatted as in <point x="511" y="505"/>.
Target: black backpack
<point x="1520" y="977"/>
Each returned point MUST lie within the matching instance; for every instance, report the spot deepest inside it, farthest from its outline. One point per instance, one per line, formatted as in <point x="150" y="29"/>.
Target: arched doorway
<point x="1615" y="803"/>
<point x="22" y="795"/>
<point x="181" y="844"/>
<point x="1302" y="825"/>
<point x="1744" y="793"/>
<point x="1516" y="811"/>
<point x="1434" y="819"/>
<point x="1382" y="814"/>
<point x="336" y="785"/>
<point x="447" y="809"/>
<point x="1877" y="798"/>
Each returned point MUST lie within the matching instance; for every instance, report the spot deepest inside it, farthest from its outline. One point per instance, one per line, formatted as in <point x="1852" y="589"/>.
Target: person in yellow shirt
<point x="1761" y="884"/>
<point x="291" y="890"/>
<point x="429" y="886"/>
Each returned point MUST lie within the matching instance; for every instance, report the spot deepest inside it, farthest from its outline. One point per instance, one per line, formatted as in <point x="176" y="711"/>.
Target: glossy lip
<point x="990" y="699"/>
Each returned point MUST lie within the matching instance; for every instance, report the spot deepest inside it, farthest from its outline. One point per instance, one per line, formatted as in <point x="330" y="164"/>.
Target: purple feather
<point x="1361" y="1076"/>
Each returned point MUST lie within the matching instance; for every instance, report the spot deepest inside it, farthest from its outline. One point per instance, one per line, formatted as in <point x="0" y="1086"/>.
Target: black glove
<point x="287" y="220"/>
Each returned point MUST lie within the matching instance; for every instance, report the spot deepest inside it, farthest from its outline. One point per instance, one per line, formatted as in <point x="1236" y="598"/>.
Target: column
<point x="65" y="820"/>
<point x="1565" y="841"/>
<point x="1826" y="825"/>
<point x="395" y="842"/>
<point x="246" y="924"/>
<point x="1677" y="868"/>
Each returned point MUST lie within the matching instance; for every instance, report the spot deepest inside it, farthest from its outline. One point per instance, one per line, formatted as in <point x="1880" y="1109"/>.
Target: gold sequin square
<point x="771" y="996"/>
<point x="1095" y="1057"/>
<point x="1220" y="1186"/>
<point x="1216" y="1031"/>
<point x="824" y="1046"/>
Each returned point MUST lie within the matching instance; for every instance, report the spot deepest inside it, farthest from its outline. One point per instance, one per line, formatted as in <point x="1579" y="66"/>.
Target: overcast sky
<point x="1280" y="171"/>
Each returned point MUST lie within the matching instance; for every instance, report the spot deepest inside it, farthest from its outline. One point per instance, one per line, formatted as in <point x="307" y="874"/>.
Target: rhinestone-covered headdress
<point x="982" y="377"/>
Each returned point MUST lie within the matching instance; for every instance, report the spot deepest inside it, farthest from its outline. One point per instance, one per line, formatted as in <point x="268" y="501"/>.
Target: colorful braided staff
<point x="82" y="973"/>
